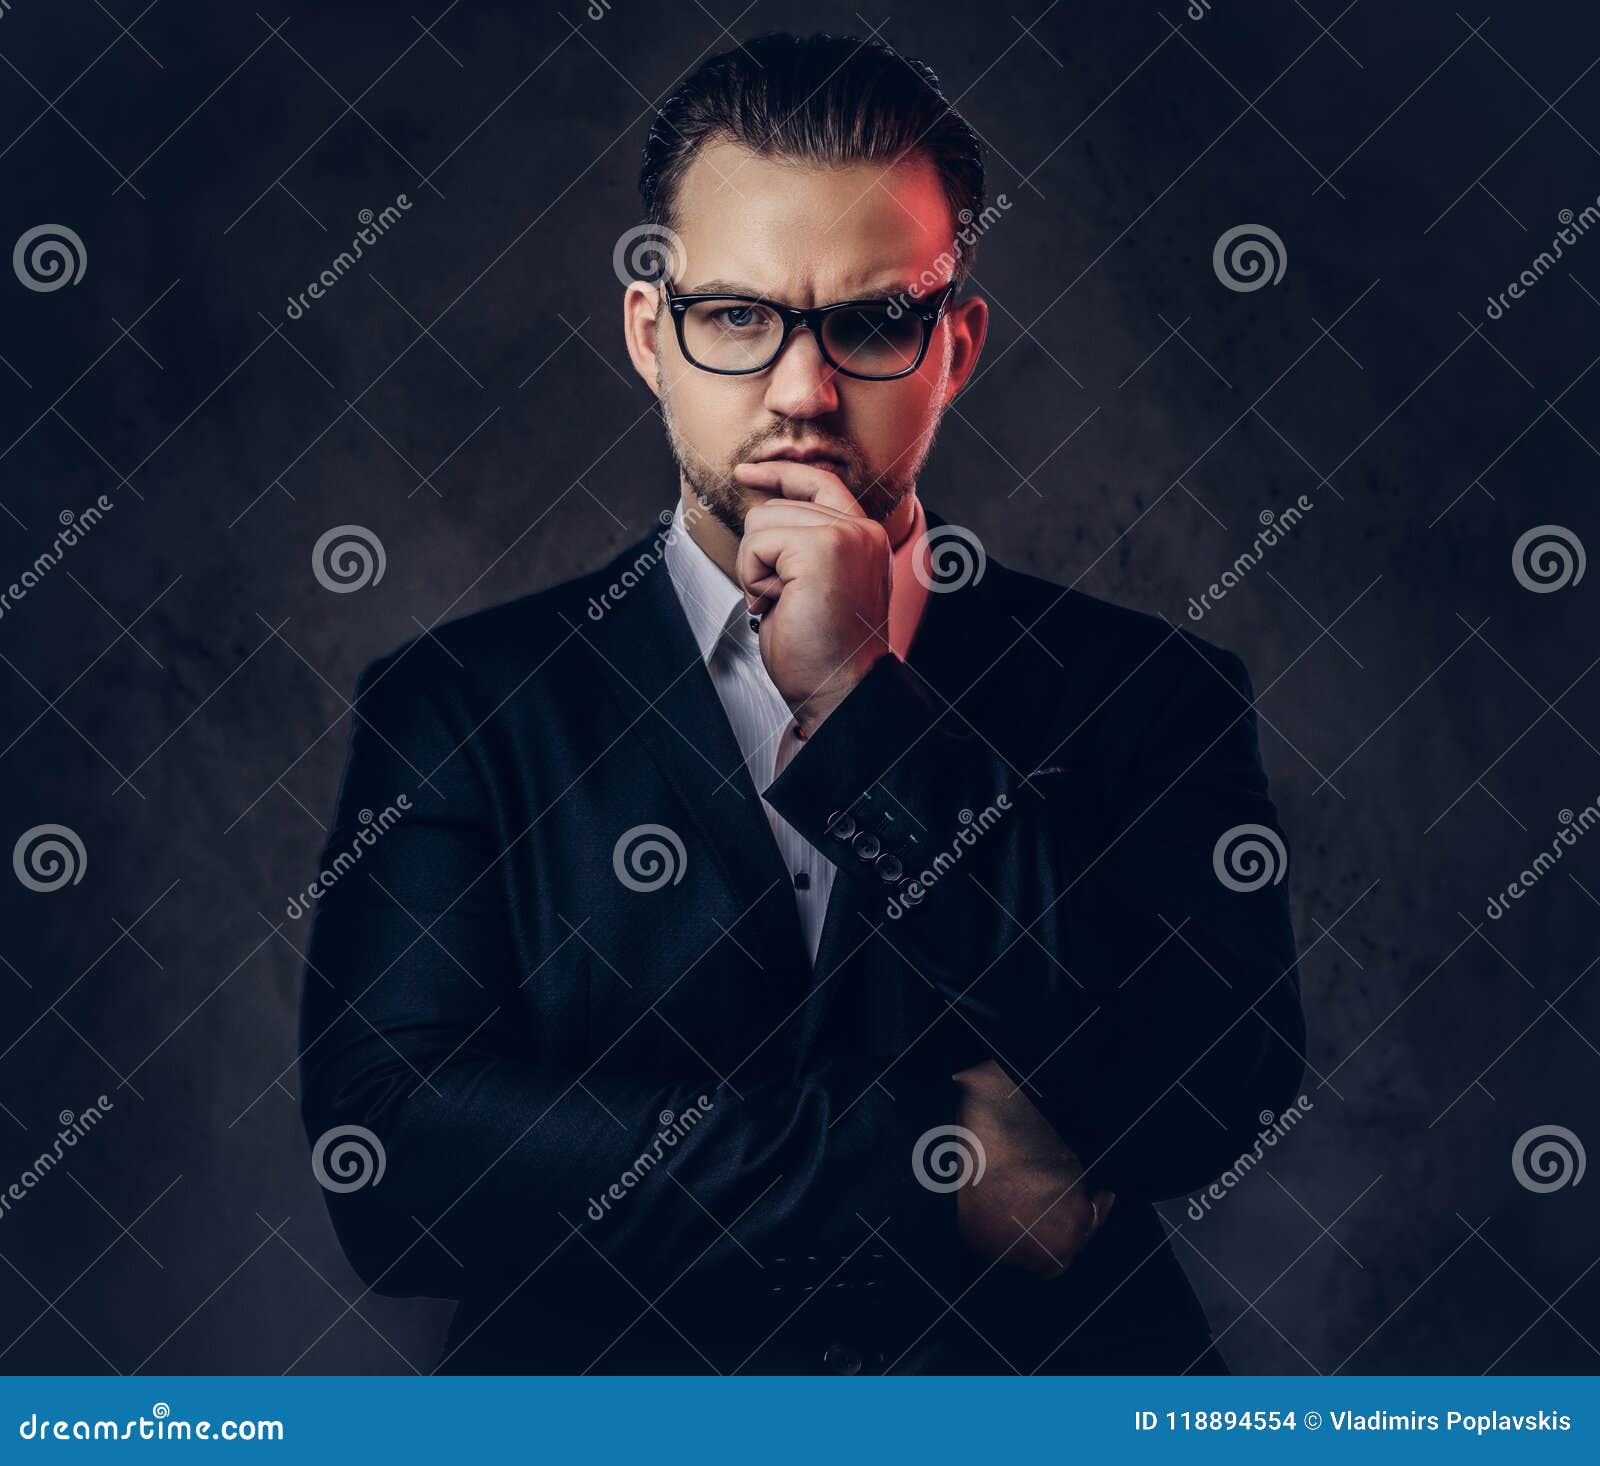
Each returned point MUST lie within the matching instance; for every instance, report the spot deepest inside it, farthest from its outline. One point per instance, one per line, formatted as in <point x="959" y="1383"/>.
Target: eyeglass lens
<point x="742" y="335"/>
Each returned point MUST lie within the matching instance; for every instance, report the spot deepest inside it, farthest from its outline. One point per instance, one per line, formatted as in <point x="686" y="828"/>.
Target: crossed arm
<point x="1149" y="1009"/>
<point x="1150" y="1051"/>
<point x="413" y="1027"/>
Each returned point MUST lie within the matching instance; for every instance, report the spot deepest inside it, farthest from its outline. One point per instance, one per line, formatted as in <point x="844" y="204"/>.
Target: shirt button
<point x="842" y="1359"/>
<point x="841" y="824"/>
<point x="867" y="845"/>
<point x="889" y="868"/>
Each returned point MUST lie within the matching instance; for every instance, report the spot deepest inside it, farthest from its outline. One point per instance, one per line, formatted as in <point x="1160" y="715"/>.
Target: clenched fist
<point x="820" y="569"/>
<point x="1031" y="1209"/>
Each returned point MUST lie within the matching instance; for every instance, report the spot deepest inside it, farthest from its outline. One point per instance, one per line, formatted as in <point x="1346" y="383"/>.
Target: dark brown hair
<point x="827" y="100"/>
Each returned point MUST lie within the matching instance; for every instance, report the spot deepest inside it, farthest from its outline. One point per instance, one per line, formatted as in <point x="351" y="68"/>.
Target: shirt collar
<point x="714" y="604"/>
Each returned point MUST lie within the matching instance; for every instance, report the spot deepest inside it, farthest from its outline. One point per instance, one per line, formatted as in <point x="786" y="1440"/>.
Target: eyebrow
<point x="734" y="287"/>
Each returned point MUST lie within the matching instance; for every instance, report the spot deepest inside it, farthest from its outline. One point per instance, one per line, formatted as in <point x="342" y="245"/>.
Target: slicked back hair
<point x="830" y="101"/>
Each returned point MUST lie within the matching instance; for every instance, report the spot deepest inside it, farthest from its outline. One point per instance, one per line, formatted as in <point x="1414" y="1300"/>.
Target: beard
<point x="727" y="500"/>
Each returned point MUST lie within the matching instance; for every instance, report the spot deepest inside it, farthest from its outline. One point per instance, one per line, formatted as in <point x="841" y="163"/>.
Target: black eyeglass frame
<point x="929" y="310"/>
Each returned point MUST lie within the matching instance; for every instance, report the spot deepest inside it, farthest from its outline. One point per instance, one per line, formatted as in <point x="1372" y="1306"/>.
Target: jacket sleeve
<point x="417" y="1048"/>
<point x="1077" y="917"/>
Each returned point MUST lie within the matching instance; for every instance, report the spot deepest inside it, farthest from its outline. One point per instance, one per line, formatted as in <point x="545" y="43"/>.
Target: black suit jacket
<point x="624" y="1120"/>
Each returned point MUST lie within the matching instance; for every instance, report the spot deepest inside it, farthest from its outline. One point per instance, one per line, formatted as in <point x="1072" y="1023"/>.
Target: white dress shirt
<point x="760" y="718"/>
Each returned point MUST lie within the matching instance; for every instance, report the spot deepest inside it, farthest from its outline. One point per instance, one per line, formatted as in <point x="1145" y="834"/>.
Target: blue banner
<point x="709" y="1420"/>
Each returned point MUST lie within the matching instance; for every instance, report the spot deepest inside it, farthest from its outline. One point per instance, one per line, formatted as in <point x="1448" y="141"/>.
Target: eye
<point x="739" y="317"/>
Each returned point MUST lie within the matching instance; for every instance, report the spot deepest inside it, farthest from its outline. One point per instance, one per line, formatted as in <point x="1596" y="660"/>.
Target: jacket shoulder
<point x="502" y="645"/>
<point x="1096" y="634"/>
<point x="1135" y="688"/>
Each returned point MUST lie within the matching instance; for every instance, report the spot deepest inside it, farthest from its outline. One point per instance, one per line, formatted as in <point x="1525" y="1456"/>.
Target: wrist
<point x="811" y="712"/>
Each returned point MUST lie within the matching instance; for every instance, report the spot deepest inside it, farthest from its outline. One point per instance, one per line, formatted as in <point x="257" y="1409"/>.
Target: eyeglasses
<point x="874" y="340"/>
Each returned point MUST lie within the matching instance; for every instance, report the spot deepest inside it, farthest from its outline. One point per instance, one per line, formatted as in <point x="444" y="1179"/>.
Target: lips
<point x="817" y="460"/>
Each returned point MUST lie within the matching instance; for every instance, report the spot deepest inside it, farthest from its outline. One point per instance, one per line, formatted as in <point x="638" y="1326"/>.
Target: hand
<point x="1032" y="1187"/>
<point x="821" y="569"/>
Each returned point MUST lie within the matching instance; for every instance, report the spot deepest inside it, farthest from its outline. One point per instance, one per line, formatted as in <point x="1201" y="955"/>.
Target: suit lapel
<point x="652" y="668"/>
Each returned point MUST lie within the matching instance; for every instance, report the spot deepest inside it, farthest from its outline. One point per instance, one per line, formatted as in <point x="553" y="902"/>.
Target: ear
<point x="968" y="321"/>
<point x="640" y="302"/>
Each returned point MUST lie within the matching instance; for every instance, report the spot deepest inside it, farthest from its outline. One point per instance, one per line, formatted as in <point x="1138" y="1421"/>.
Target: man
<point x="809" y="947"/>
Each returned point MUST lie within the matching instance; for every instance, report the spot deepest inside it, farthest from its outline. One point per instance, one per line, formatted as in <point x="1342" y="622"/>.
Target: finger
<point x="761" y="595"/>
<point x="777" y="549"/>
<point x="763" y="556"/>
<point x="782" y="513"/>
<point x="800" y="481"/>
<point x="767" y="558"/>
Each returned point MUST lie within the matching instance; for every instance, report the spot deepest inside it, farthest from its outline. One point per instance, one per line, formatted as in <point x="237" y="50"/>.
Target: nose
<point x="800" y="383"/>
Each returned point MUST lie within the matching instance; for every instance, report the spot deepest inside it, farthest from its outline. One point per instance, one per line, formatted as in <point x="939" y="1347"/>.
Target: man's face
<point x="805" y="236"/>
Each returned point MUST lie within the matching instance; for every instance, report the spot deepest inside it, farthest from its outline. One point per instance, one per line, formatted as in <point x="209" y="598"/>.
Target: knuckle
<point x="872" y="534"/>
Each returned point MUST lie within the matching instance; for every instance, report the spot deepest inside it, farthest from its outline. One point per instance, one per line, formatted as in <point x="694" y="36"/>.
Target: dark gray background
<point x="175" y="691"/>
